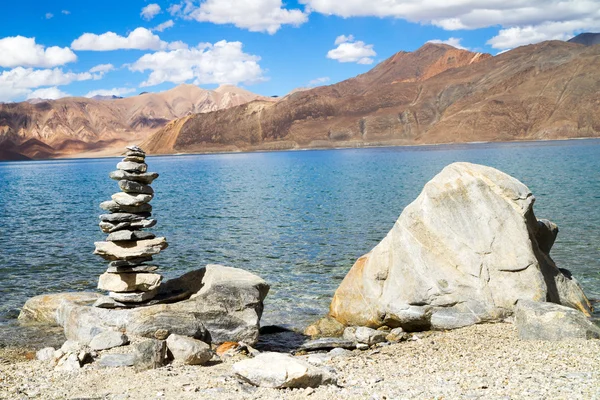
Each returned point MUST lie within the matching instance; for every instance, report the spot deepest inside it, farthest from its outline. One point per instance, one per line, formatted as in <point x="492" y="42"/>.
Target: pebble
<point x="135" y="187"/>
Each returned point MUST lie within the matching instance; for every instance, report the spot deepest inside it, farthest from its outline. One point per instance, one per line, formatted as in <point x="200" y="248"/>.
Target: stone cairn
<point x="128" y="279"/>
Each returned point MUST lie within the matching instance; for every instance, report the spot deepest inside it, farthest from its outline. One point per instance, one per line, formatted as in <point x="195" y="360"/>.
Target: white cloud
<point x="349" y="50"/>
<point x="150" y="11"/>
<point x="20" y="82"/>
<point x="535" y="20"/>
<point x="454" y="42"/>
<point x="139" y="39"/>
<point x="318" y="81"/>
<point x="177" y="45"/>
<point x="49" y="15"/>
<point x="221" y="63"/>
<point x="51" y="93"/>
<point x="66" y="12"/>
<point x="25" y="52"/>
<point x="254" y="15"/>
<point x="111" y="92"/>
<point x="102" y="68"/>
<point x="165" y="25"/>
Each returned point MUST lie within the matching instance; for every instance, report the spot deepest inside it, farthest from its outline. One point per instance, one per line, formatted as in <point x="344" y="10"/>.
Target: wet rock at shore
<point x="462" y="253"/>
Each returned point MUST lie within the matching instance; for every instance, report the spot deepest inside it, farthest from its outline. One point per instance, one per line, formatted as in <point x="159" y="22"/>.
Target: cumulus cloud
<point x="49" y="15"/>
<point x="110" y="92"/>
<point x="102" y="68"/>
<point x="51" y="93"/>
<point x="535" y="20"/>
<point x="349" y="50"/>
<point x="20" y="82"/>
<point x="454" y="42"/>
<point x="254" y="15"/>
<point x="165" y="25"/>
<point x="150" y="11"/>
<point x="221" y="63"/>
<point x="66" y="12"/>
<point x="139" y="39"/>
<point x="318" y="81"/>
<point x="19" y="51"/>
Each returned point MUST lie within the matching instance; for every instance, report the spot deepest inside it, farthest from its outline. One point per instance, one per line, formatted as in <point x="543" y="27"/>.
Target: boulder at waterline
<point x="223" y="304"/>
<point x="188" y="350"/>
<point x="549" y="321"/>
<point x="42" y="309"/>
<point x="278" y="370"/>
<point x="129" y="250"/>
<point x="129" y="282"/>
<point x="462" y="253"/>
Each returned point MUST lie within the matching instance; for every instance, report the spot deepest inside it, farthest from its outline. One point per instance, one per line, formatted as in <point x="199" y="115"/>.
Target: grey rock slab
<point x="109" y="227"/>
<point x="135" y="149"/>
<point x="145" y="178"/>
<point x="134" y="158"/>
<point x="129" y="282"/>
<point x="129" y="166"/>
<point x="133" y="297"/>
<point x="127" y="199"/>
<point x="115" y="218"/>
<point x="464" y="252"/>
<point x="116" y="360"/>
<point x="135" y="187"/>
<point x="150" y="354"/>
<point x="130" y="263"/>
<point x="108" y="340"/>
<point x="113" y="206"/>
<point x="127" y="235"/>
<point x="327" y="344"/>
<point x="189" y="350"/>
<point x="369" y="336"/>
<point x="137" y="268"/>
<point x="130" y="250"/>
<point x="42" y="308"/>
<point x="277" y="370"/>
<point x="144" y="223"/>
<point x="549" y="321"/>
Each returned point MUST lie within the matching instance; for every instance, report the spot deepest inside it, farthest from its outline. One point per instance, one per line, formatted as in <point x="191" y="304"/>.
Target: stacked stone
<point x="128" y="247"/>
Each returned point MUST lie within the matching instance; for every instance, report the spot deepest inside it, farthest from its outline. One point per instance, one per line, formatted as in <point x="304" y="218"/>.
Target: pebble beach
<point x="481" y="361"/>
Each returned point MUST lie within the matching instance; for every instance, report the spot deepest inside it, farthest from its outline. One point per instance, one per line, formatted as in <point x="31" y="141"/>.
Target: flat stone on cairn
<point x="128" y="279"/>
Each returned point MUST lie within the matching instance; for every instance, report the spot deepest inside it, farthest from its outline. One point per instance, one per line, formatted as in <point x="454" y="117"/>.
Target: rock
<point x="396" y="335"/>
<point x="129" y="166"/>
<point x="109" y="227"/>
<point x="113" y="206"/>
<point x="129" y="263"/>
<point x="327" y="344"/>
<point x="462" y="253"/>
<point x="137" y="268"/>
<point x="42" y="309"/>
<point x="362" y="346"/>
<point x="546" y="235"/>
<point x="277" y="370"/>
<point x="225" y="304"/>
<point x="350" y="333"/>
<point x="339" y="352"/>
<point x="45" y="354"/>
<point x="549" y="321"/>
<point x="130" y="250"/>
<point x="135" y="187"/>
<point x="127" y="199"/>
<point x="228" y="348"/>
<point x="188" y="350"/>
<point x="108" y="340"/>
<point x="325" y="327"/>
<point x="116" y="218"/>
<point x="146" y="178"/>
<point x="69" y="362"/>
<point x="126" y="235"/>
<point x="144" y="223"/>
<point x="134" y="297"/>
<point x="106" y="302"/>
<point x="135" y="149"/>
<point x="129" y="282"/>
<point x="161" y="334"/>
<point x="116" y="360"/>
<point x="150" y="354"/>
<point x="369" y="336"/>
<point x="71" y="346"/>
<point x="135" y="158"/>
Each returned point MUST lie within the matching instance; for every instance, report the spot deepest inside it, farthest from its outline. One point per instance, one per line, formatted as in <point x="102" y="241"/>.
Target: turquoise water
<point x="298" y="219"/>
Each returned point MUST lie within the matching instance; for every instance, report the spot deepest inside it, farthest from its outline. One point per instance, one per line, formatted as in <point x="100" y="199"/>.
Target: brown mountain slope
<point x="79" y="125"/>
<point x="437" y="94"/>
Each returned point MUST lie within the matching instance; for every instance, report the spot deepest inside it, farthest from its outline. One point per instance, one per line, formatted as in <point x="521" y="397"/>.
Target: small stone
<point x="133" y="297"/>
<point x="362" y="346"/>
<point x="123" y="217"/>
<point x="130" y="282"/>
<point x="116" y="360"/>
<point x="129" y="166"/>
<point x="135" y="187"/>
<point x="129" y="263"/>
<point x="106" y="302"/>
<point x="71" y="346"/>
<point x="127" y="270"/>
<point x="144" y="223"/>
<point x="109" y="227"/>
<point x="134" y="158"/>
<point x="113" y="206"/>
<point x="350" y="333"/>
<point x="108" y="339"/>
<point x="150" y="354"/>
<point x="339" y="352"/>
<point x="189" y="351"/>
<point x="326" y="326"/>
<point x="146" y="178"/>
<point x="327" y="343"/>
<point x="129" y="250"/>
<point x="127" y="199"/>
<point x="161" y="334"/>
<point x="228" y="348"/>
<point x="69" y="362"/>
<point x="396" y="335"/>
<point x="135" y="148"/>
<point x="45" y="354"/>
<point x="369" y="336"/>
<point x="126" y="235"/>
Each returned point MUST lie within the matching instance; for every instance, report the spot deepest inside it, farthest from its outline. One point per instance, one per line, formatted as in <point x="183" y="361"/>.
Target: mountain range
<point x="436" y="94"/>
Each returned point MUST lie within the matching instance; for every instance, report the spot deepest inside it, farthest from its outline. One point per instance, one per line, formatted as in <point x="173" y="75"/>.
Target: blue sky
<point x="56" y="48"/>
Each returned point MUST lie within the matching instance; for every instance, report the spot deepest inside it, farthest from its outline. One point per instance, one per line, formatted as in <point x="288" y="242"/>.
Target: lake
<point x="298" y="219"/>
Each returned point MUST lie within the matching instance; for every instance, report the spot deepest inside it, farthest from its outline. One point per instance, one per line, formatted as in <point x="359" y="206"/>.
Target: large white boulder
<point x="464" y="252"/>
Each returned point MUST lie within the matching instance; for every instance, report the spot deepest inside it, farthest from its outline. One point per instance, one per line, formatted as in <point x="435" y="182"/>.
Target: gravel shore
<point x="482" y="361"/>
